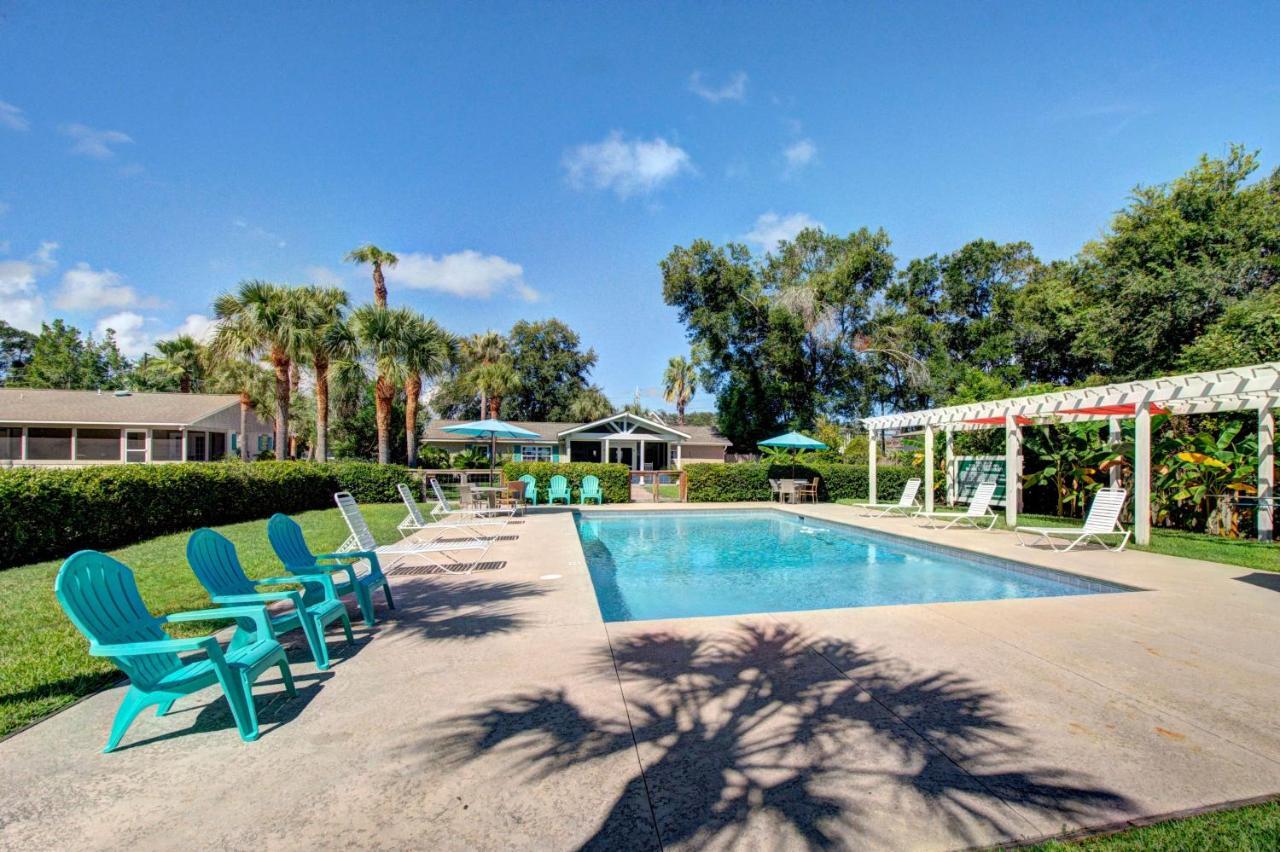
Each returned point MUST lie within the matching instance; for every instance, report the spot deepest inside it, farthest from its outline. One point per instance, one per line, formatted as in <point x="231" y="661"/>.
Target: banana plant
<point x="1074" y="454"/>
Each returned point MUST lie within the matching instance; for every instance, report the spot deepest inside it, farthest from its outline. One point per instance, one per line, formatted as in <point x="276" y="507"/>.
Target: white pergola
<point x="1255" y="388"/>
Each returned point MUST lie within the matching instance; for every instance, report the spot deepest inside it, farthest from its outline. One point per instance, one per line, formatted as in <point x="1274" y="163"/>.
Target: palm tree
<point x="265" y="320"/>
<point x="679" y="384"/>
<point x="248" y="380"/>
<point x="377" y="258"/>
<point x="429" y="350"/>
<point x="329" y="340"/>
<point x="494" y="381"/>
<point x="590" y="405"/>
<point x="184" y="359"/>
<point x="382" y="335"/>
<point x="480" y="350"/>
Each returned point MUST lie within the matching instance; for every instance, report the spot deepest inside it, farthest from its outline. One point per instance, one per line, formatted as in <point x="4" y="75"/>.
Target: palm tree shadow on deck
<point x="764" y="736"/>
<point x="443" y="607"/>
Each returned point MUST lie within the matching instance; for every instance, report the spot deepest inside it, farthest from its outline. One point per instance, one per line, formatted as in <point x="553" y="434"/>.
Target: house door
<point x="135" y="446"/>
<point x="621" y="455"/>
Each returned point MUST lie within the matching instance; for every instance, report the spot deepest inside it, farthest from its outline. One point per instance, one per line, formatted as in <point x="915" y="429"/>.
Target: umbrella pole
<point x="493" y="450"/>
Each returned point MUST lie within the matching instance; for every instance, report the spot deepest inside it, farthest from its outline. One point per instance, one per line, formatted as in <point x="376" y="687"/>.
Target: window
<point x="135" y="449"/>
<point x="10" y="443"/>
<point x="535" y="454"/>
<point x="166" y="445"/>
<point x="197" y="442"/>
<point x="97" y="445"/>
<point x="217" y="445"/>
<point x="48" y="444"/>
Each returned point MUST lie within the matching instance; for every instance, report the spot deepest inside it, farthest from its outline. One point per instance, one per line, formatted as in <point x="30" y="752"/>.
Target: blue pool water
<point x="683" y="564"/>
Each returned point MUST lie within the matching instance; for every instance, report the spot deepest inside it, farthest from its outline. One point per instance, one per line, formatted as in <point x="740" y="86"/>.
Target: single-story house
<point x="65" y="428"/>
<point x="637" y="442"/>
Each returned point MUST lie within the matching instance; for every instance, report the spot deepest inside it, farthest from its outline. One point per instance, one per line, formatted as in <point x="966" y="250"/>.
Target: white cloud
<point x="87" y="289"/>
<point x="198" y="326"/>
<point x="628" y="167"/>
<point x="131" y="338"/>
<point x="734" y="90"/>
<point x="324" y="276"/>
<point x="800" y="154"/>
<point x="771" y="229"/>
<point x="468" y="274"/>
<point x="260" y="233"/>
<point x="91" y="142"/>
<point x="21" y="304"/>
<point x="12" y="117"/>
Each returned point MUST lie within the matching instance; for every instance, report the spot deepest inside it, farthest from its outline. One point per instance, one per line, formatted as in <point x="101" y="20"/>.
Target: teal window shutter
<point x="555" y="452"/>
<point x="235" y="441"/>
<point x="517" y="453"/>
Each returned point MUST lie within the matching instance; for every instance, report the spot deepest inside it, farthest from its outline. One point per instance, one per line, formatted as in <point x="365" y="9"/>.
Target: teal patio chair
<point x="216" y="565"/>
<point x="101" y="598"/>
<point x="287" y="541"/>
<point x="590" y="489"/>
<point x="558" y="490"/>
<point x="530" y="488"/>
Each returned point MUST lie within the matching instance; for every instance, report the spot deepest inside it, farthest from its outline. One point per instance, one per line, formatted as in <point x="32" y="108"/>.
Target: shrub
<point x="53" y="512"/>
<point x="615" y="479"/>
<point x="716" y="483"/>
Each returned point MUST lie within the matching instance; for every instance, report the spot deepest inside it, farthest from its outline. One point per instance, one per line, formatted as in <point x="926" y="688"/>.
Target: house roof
<point x="549" y="432"/>
<point x="624" y="415"/>
<point x="28" y="405"/>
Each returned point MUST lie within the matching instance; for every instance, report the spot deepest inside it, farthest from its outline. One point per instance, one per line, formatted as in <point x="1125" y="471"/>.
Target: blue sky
<point x="537" y="160"/>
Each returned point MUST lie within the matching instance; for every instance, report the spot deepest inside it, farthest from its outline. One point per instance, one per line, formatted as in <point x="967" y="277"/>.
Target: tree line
<point x="833" y="327"/>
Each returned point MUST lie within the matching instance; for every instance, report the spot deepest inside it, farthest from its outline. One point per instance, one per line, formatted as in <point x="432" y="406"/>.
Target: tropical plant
<point x="377" y="259"/>
<point x="183" y="358"/>
<point x="265" y="320"/>
<point x="477" y="351"/>
<point x="328" y="340"/>
<point x="1206" y="474"/>
<point x="1074" y="455"/>
<point x="469" y="459"/>
<point x="428" y="350"/>
<point x="679" y="383"/>
<point x="493" y="381"/>
<point x="382" y="335"/>
<point x="590" y="405"/>
<point x="248" y="380"/>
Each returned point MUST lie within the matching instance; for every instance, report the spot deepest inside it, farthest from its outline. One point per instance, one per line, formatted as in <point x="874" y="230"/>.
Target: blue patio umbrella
<point x="493" y="430"/>
<point x="793" y="441"/>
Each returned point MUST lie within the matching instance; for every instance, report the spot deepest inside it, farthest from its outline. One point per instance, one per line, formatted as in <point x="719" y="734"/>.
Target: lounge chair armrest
<point x="256" y="614"/>
<point x="320" y="577"/>
<point x="351" y="555"/>
<point x="256" y="597"/>
<point x="158" y="646"/>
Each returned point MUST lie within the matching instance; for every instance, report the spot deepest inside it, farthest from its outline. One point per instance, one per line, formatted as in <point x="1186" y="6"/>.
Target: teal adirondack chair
<point x="530" y="488"/>
<point x="213" y="559"/>
<point x="590" y="489"/>
<point x="287" y="541"/>
<point x="558" y="490"/>
<point x="100" y="597"/>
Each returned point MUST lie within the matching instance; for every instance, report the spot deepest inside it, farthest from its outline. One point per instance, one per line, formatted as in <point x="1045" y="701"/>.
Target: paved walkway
<point x="498" y="711"/>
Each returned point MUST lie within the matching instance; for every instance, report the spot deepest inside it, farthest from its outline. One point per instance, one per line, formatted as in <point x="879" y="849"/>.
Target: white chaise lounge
<point x="979" y="514"/>
<point x="415" y="521"/>
<point x="1103" y="519"/>
<point x="361" y="539"/>
<point x="905" y="506"/>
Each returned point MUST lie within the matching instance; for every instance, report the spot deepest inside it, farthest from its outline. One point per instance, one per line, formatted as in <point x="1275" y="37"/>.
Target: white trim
<point x="628" y="415"/>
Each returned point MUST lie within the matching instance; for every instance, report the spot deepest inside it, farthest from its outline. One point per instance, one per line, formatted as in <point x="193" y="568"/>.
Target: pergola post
<point x="1115" y="435"/>
<point x="949" y="464"/>
<point x="1266" y="470"/>
<point x="1012" y="469"/>
<point x="928" y="468"/>
<point x="1142" y="474"/>
<point x="871" y="465"/>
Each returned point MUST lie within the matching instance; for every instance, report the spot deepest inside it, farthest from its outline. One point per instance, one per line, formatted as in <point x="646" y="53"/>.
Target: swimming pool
<point x="680" y="564"/>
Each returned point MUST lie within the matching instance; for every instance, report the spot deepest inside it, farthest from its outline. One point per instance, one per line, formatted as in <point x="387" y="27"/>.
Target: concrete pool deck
<point x="497" y="710"/>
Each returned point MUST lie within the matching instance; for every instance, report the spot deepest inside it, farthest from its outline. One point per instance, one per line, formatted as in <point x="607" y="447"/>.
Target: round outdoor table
<point x="490" y="492"/>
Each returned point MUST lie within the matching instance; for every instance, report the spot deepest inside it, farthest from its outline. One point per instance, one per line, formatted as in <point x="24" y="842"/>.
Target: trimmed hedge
<point x="53" y="512"/>
<point x="615" y="479"/>
<point x="724" y="483"/>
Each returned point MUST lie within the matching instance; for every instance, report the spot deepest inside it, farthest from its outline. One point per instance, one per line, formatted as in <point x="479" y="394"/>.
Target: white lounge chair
<point x="415" y="521"/>
<point x="905" y="506"/>
<point x="442" y="509"/>
<point x="979" y="514"/>
<point x="1103" y="519"/>
<point x="362" y="540"/>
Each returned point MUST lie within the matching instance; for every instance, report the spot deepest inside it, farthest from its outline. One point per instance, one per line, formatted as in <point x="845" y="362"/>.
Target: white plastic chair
<point x="978" y="513"/>
<point x="362" y="540"/>
<point x="1103" y="519"/>
<point x="905" y="506"/>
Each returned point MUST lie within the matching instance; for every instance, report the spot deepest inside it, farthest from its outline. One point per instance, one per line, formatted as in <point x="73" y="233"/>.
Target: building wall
<point x="97" y="444"/>
<point x="702" y="453"/>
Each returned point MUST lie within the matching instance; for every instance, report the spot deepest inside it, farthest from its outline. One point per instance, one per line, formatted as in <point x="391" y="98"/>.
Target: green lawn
<point x="1250" y="829"/>
<point x="44" y="664"/>
<point x="1246" y="553"/>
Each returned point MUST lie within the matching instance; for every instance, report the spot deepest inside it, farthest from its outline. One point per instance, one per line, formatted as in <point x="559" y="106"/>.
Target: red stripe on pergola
<point x="999" y="421"/>
<point x="1128" y="409"/>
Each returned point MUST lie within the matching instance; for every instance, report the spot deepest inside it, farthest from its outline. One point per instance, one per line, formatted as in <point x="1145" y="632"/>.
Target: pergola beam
<point x="1266" y="470"/>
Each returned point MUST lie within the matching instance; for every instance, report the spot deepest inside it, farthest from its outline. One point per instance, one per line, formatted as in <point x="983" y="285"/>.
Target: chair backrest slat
<point x="411" y="504"/>
<point x="982" y="496"/>
<point x="558" y="484"/>
<point x="442" y="502"/>
<point x="101" y="598"/>
<point x="213" y="559"/>
<point x="355" y="520"/>
<point x="590" y="483"/>
<point x="909" y="491"/>
<point x="530" y="486"/>
<point x="1104" y="514"/>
